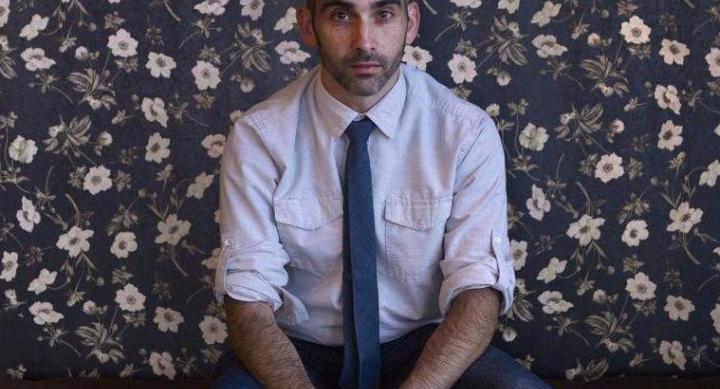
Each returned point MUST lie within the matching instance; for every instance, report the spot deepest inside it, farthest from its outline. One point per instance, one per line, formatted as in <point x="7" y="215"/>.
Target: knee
<point x="529" y="381"/>
<point x="497" y="370"/>
<point x="232" y="374"/>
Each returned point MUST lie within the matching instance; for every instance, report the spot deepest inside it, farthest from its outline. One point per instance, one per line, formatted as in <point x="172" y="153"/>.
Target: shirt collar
<point x="385" y="113"/>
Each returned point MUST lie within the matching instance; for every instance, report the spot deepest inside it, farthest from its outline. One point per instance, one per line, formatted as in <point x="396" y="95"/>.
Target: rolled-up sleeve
<point x="476" y="245"/>
<point x="251" y="261"/>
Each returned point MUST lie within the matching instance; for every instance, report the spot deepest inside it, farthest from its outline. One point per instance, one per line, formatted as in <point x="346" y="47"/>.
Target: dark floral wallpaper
<point x="113" y="115"/>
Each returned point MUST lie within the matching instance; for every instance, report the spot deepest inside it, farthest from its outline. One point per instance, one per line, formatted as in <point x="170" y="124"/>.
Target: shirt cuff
<point x="480" y="274"/>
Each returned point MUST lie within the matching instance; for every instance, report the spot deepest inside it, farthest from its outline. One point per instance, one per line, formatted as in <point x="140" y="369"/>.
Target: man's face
<point x="360" y="42"/>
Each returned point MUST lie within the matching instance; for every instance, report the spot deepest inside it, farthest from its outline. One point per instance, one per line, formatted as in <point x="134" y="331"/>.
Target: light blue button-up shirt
<point x="439" y="197"/>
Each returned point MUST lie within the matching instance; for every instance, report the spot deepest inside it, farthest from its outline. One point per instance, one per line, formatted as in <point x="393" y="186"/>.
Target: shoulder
<point x="441" y="100"/>
<point x="283" y="105"/>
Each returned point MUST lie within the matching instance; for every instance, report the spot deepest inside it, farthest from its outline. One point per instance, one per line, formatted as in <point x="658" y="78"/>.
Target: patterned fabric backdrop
<point x="113" y="116"/>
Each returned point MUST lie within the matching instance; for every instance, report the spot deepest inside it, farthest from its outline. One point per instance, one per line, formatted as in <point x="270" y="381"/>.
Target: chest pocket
<point x="414" y="230"/>
<point x="310" y="230"/>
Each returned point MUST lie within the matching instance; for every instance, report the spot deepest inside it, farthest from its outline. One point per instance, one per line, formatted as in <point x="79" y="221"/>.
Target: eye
<point x="385" y="15"/>
<point x="340" y="16"/>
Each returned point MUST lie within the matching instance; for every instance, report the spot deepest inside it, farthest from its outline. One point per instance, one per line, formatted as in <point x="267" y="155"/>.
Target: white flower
<point x="162" y="364"/>
<point x="678" y="308"/>
<point x="599" y="296"/>
<point x="130" y="298"/>
<point x="462" y="68"/>
<point x="533" y="137"/>
<point x="548" y="11"/>
<point x="97" y="180"/>
<point x="157" y="148"/>
<point x="518" y="251"/>
<point x="547" y="46"/>
<point x="640" y="287"/>
<point x="22" y="150"/>
<point x="211" y="7"/>
<point x="538" y="205"/>
<point x="172" y="230"/>
<point x="467" y="3"/>
<point x="709" y="177"/>
<point x="673" y="51"/>
<point x="122" y="44"/>
<point x="609" y="168"/>
<point x="715" y="316"/>
<point x="672" y="353"/>
<point x="290" y="52"/>
<point x="206" y="75"/>
<point x="684" y="218"/>
<point x="635" y="31"/>
<point x="39" y="284"/>
<point x="75" y="241"/>
<point x="214" y="144"/>
<point x="27" y="216"/>
<point x="4" y="11"/>
<point x="43" y="313"/>
<point x="502" y="78"/>
<point x="167" y="319"/>
<point x="252" y="8"/>
<point x="635" y="232"/>
<point x="9" y="266"/>
<point x="287" y="22"/>
<point x="667" y="98"/>
<point x="553" y="302"/>
<point x="32" y="29"/>
<point x="213" y="330"/>
<point x="124" y="244"/>
<point x="154" y="110"/>
<point x="202" y="182"/>
<point x="509" y="334"/>
<point x="417" y="56"/>
<point x="553" y="268"/>
<point x="160" y="65"/>
<point x="89" y="307"/>
<point x="617" y="126"/>
<point x="585" y="229"/>
<point x="35" y="59"/>
<point x="510" y="5"/>
<point x="493" y="109"/>
<point x="594" y="39"/>
<point x="713" y="60"/>
<point x="669" y="136"/>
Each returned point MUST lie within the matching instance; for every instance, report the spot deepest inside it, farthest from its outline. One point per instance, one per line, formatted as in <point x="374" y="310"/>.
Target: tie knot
<point x="359" y="130"/>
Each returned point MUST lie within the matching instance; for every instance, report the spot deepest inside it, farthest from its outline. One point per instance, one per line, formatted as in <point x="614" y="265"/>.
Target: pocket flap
<point x="308" y="212"/>
<point x="417" y="213"/>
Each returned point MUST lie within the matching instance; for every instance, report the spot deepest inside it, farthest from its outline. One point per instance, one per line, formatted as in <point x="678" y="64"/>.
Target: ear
<point x="305" y="26"/>
<point x="413" y="22"/>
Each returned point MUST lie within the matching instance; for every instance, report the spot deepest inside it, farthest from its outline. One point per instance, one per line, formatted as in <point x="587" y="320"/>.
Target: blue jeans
<point x="494" y="368"/>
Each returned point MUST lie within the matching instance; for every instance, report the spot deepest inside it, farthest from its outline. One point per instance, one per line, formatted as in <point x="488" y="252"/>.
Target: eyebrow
<point x="347" y="4"/>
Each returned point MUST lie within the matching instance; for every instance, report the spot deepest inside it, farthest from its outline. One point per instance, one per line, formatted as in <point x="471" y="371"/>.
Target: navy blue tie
<point x="361" y="323"/>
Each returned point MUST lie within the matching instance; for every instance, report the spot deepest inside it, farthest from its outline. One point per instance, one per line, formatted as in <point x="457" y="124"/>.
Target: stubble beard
<point x="342" y="71"/>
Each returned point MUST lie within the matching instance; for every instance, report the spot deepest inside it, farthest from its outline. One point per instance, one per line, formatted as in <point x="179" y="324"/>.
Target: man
<point x="364" y="260"/>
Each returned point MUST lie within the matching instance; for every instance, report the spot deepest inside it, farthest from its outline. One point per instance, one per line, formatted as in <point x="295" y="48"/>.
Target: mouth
<point x="365" y="65"/>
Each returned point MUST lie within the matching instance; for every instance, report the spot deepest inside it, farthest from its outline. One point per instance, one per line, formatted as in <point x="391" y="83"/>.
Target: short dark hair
<point x="311" y="4"/>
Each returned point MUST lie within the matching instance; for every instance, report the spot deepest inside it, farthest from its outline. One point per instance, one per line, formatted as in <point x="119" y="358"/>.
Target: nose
<point x="363" y="35"/>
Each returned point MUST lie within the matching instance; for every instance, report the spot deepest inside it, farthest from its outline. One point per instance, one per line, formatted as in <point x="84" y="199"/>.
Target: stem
<point x="172" y="13"/>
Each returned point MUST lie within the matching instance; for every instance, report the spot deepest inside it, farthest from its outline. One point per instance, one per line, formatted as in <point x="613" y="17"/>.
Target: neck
<point x="358" y="103"/>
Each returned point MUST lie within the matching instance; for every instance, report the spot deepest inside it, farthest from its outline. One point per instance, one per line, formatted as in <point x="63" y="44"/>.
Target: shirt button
<point x="227" y="242"/>
<point x="496" y="239"/>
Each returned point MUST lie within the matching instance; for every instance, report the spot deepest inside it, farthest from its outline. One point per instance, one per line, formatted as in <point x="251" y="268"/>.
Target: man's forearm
<point x="262" y="347"/>
<point x="458" y="341"/>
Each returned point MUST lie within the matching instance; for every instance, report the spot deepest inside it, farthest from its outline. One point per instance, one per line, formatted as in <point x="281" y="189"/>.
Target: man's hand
<point x="458" y="341"/>
<point x="262" y="347"/>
